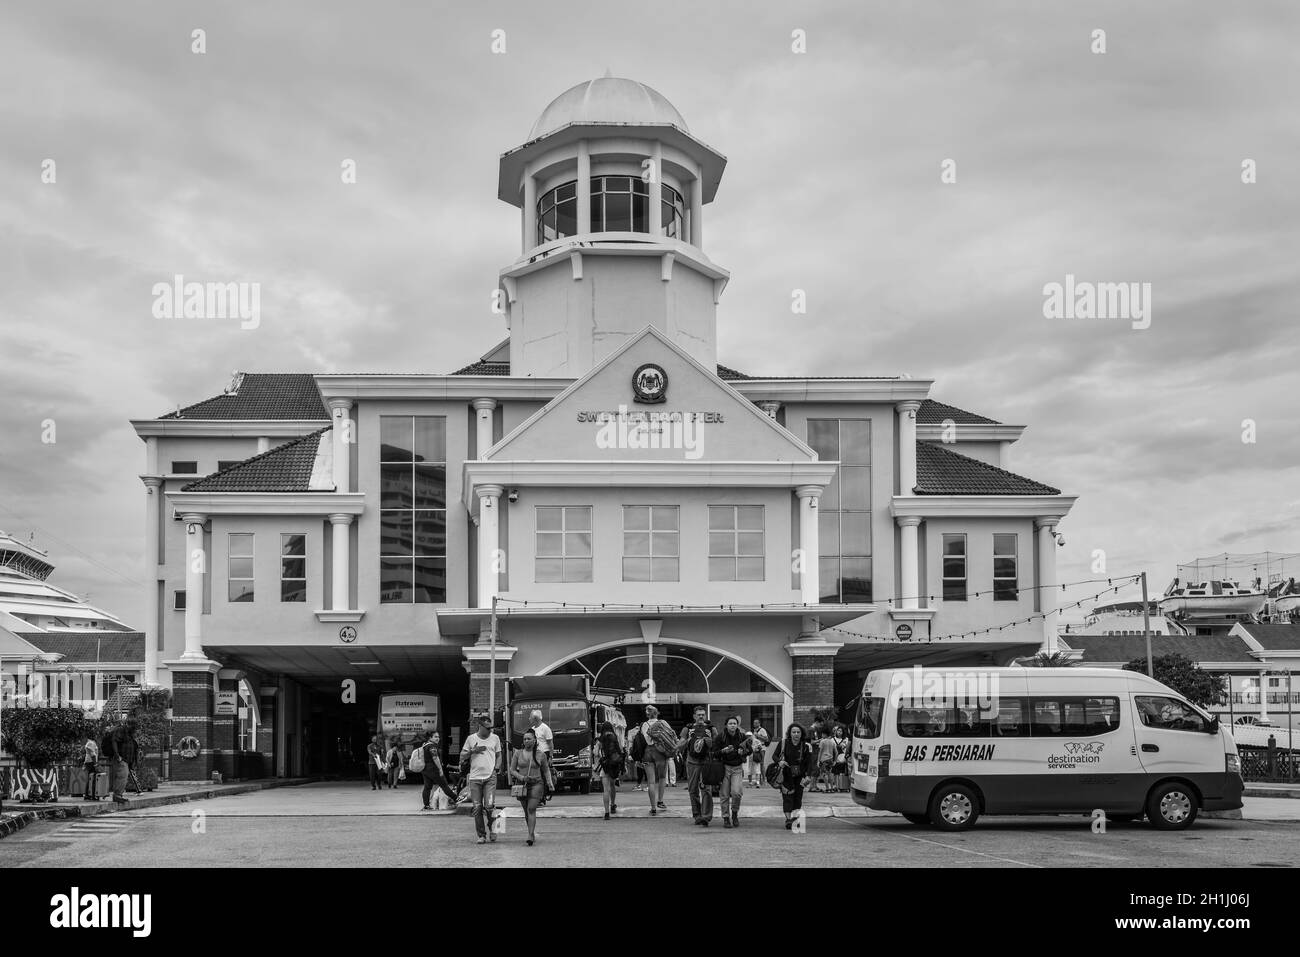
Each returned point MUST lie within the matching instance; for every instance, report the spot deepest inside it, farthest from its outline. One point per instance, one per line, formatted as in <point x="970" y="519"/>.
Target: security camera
<point x="514" y="495"/>
<point x="1060" y="539"/>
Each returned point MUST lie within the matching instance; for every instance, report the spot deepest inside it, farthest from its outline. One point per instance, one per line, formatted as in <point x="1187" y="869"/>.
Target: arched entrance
<point x="676" y="676"/>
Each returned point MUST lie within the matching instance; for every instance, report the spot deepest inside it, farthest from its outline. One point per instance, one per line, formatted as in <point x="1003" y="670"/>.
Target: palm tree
<point x="1055" y="659"/>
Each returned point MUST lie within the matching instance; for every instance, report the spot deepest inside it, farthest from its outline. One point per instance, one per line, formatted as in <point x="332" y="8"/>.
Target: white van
<point x="942" y="746"/>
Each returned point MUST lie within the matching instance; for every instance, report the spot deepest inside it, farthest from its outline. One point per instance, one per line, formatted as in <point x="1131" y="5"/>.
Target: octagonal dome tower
<point x="611" y="186"/>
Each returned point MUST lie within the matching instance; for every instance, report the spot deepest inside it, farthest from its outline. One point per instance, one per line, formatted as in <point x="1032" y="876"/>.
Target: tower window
<point x="619" y="204"/>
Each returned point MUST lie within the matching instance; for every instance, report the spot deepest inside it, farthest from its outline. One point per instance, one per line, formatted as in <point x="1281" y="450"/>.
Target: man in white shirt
<point x="545" y="737"/>
<point x="545" y="740"/>
<point x="484" y="752"/>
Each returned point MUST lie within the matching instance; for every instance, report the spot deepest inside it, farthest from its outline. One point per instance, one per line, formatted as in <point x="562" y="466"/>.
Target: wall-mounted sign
<point x="347" y="634"/>
<point x="227" y="704"/>
<point x="188" y="748"/>
<point x="649" y="384"/>
<point x="904" y="632"/>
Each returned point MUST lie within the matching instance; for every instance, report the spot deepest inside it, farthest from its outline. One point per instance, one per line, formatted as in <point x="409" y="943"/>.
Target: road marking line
<point x="946" y="847"/>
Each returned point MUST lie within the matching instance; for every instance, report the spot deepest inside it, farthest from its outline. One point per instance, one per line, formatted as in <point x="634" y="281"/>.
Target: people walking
<point x="394" y="761"/>
<point x="731" y="746"/>
<point x="661" y="748"/>
<point x="611" y="760"/>
<point x="122" y="760"/>
<point x="90" y="762"/>
<point x="530" y="767"/>
<point x="795" y="765"/>
<point x="375" y="763"/>
<point x="483" y="750"/>
<point x="841" y="759"/>
<point x="636" y="747"/>
<point x="825" y="762"/>
<point x="696" y="747"/>
<point x="433" y="773"/>
<point x="760" y="738"/>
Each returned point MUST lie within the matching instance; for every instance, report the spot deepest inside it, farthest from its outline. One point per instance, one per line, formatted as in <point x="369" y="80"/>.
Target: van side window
<point x="1169" y="714"/>
<point x="1012" y="720"/>
<point x="870" y="711"/>
<point x="1074" y="717"/>
<point x="915" y="720"/>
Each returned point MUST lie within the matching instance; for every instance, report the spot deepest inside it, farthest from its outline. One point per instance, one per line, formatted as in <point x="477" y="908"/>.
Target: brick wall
<point x="813" y="685"/>
<point x="192" y="703"/>
<point x="478" y="688"/>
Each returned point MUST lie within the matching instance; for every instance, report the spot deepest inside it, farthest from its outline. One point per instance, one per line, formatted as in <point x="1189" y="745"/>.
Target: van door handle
<point x="1150" y="747"/>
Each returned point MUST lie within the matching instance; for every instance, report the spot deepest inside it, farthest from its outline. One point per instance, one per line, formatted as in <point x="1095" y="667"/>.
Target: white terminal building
<point x="642" y="513"/>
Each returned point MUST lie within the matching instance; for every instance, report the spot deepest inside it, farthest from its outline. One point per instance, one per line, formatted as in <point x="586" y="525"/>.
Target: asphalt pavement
<point x="343" y="824"/>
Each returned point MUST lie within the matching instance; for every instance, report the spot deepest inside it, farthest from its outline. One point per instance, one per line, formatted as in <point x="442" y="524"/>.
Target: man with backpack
<point x="121" y="751"/>
<point x="697" y="746"/>
<point x="661" y="746"/>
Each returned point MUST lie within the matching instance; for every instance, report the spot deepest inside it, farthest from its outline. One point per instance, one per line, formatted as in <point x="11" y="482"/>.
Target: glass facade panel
<point x="844" y="509"/>
<point x="413" y="509"/>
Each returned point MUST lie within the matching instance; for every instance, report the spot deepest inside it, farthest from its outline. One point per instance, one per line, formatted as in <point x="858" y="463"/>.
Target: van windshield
<point x="870" y="711"/>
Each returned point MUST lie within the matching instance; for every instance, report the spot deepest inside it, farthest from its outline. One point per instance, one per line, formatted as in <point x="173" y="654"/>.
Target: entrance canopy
<point x="875" y="655"/>
<point x="473" y="621"/>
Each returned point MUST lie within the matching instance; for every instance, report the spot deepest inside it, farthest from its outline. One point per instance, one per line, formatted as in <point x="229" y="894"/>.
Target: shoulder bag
<point x="521" y="790"/>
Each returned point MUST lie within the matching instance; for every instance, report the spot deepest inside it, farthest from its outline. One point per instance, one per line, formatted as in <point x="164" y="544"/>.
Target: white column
<point x="656" y="191"/>
<point x="483" y="409"/>
<point x="697" y="216"/>
<point x="152" y="493"/>
<point x="196" y="566"/>
<point x="340" y="561"/>
<point x="810" y="578"/>
<point x="907" y="447"/>
<point x="584" y="188"/>
<point x="343" y="435"/>
<point x="530" y="210"/>
<point x="263" y="444"/>
<point x="1047" y="580"/>
<point x="908" y="561"/>
<point x="488" y="542"/>
<point x="1263" y="696"/>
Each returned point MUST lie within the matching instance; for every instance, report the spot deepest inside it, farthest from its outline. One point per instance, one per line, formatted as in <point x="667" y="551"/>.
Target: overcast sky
<point x="1119" y="167"/>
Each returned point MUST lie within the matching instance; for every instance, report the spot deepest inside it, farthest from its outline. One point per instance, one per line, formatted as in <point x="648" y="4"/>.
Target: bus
<point x="943" y="746"/>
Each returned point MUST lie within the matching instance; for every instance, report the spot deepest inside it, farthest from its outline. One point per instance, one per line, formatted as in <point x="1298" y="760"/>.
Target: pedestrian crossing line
<point x="87" y="828"/>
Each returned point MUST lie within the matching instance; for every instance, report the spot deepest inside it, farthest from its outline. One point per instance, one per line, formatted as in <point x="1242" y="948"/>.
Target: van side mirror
<point x="1214" y="725"/>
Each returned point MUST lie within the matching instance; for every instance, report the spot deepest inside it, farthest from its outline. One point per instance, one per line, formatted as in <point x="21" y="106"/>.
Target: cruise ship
<point x="1123" y="618"/>
<point x="59" y="650"/>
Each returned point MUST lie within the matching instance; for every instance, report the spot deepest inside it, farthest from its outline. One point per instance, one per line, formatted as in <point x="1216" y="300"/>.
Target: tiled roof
<point x="941" y="471"/>
<point x="262" y="395"/>
<point x="936" y="413"/>
<point x="91" y="646"/>
<point x="1097" y="648"/>
<point x="483" y="367"/>
<point x="725" y="372"/>
<point x="1285" y="637"/>
<point x="285" y="468"/>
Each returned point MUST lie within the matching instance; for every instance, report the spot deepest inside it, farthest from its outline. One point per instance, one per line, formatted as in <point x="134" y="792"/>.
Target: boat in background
<point x="1211" y="599"/>
<point x="1284" y="598"/>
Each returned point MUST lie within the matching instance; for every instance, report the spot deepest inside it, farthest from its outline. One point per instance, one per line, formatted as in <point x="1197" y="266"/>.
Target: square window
<point x="749" y="569"/>
<point x="636" y="569"/>
<point x="721" y="518"/>
<point x="664" y="569"/>
<point x="549" y="569"/>
<point x="749" y="517"/>
<point x="664" y="544"/>
<point x="395" y="580"/>
<point x="430" y="581"/>
<point x="430" y="486"/>
<point x="396" y="486"/>
<point x="636" y="518"/>
<point x="636" y="544"/>
<point x="550" y="519"/>
<point x="722" y="569"/>
<point x="824" y="438"/>
<point x="396" y="438"/>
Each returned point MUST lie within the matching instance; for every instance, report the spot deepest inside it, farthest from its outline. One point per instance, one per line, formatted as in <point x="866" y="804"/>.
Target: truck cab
<point x="567" y="708"/>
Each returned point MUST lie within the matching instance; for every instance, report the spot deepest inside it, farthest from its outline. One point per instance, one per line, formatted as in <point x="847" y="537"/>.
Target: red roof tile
<point x="285" y="468"/>
<point x="262" y="395"/>
<point x="941" y="471"/>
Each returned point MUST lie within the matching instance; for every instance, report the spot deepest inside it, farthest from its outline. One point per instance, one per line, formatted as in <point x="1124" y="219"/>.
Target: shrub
<point x="44" y="736"/>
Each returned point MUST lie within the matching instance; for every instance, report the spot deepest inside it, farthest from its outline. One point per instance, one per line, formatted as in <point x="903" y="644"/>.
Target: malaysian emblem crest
<point x="650" y="384"/>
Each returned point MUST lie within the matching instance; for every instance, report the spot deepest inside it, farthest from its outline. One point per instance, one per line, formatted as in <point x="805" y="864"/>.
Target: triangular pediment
<point x="700" y="417"/>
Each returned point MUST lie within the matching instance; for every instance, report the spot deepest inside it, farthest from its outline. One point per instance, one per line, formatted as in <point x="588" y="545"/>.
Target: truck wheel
<point x="586" y="786"/>
<point x="920" y="820"/>
<point x="954" y="807"/>
<point x="1172" y="806"/>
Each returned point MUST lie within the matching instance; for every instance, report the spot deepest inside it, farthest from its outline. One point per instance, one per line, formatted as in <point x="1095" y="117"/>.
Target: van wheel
<point x="1172" y="806"/>
<point x="920" y="820"/>
<point x="954" y="807"/>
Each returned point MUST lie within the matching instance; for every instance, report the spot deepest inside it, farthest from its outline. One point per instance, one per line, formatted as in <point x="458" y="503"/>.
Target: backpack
<point x="417" y="760"/>
<point x="611" y="760"/>
<point x="638" y="746"/>
<point x="106" y="745"/>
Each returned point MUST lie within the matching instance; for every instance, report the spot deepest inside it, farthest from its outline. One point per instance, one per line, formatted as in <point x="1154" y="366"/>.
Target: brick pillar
<point x="192" y="705"/>
<point x="225" y="729"/>
<point x="266" y="727"/>
<point x="478" y="665"/>
<point x="812" y="668"/>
